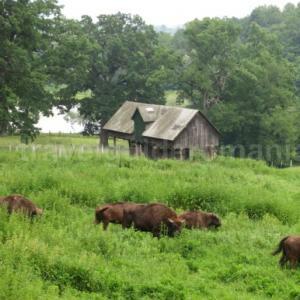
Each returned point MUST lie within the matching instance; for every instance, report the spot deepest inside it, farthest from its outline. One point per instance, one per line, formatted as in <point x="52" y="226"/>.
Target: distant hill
<point x="166" y="29"/>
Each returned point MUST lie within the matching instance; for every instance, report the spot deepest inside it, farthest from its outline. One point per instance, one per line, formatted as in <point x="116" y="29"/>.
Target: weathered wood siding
<point x="199" y="134"/>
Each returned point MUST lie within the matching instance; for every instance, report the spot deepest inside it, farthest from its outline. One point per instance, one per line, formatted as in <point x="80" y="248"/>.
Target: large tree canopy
<point x="259" y="108"/>
<point x="245" y="75"/>
<point x="127" y="64"/>
<point x="25" y="33"/>
<point x="208" y="61"/>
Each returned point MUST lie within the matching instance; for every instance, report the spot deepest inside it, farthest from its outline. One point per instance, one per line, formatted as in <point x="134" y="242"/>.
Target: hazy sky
<point x="57" y="123"/>
<point x="167" y="12"/>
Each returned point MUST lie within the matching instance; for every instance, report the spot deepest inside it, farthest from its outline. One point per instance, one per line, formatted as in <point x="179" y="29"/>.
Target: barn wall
<point x="199" y="134"/>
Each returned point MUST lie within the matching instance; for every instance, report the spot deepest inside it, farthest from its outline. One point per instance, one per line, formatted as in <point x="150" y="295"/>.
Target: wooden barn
<point x="162" y="131"/>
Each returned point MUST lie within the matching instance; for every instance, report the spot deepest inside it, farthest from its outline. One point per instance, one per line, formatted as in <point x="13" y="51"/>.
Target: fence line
<point x="62" y="150"/>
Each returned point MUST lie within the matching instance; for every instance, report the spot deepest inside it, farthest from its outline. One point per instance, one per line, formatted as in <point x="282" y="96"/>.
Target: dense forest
<point x="243" y="73"/>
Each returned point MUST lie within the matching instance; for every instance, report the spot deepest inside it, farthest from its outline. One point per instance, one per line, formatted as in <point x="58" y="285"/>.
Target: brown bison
<point x="153" y="218"/>
<point x="200" y="219"/>
<point x="18" y="203"/>
<point x="290" y="247"/>
<point x="112" y="213"/>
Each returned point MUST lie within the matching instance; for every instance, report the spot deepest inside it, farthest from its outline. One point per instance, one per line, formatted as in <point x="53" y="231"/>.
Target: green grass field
<point x="63" y="255"/>
<point x="52" y="139"/>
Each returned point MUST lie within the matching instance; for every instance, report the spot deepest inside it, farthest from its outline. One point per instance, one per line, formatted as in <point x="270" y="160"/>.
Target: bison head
<point x="213" y="221"/>
<point x="39" y="211"/>
<point x="99" y="214"/>
<point x="36" y="212"/>
<point x="174" y="226"/>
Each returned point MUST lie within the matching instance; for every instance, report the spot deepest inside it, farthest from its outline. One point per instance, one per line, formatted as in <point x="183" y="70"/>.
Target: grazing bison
<point x="200" y="219"/>
<point x="290" y="247"/>
<point x="18" y="203"/>
<point x="152" y="218"/>
<point x="112" y="213"/>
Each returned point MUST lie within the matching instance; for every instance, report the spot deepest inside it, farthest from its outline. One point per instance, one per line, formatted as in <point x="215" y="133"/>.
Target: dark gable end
<point x="138" y="126"/>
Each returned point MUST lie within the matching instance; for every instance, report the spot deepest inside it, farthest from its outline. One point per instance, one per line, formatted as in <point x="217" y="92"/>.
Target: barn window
<point x="149" y="109"/>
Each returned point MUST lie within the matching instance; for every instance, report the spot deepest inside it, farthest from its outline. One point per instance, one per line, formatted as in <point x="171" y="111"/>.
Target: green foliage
<point x="285" y="25"/>
<point x="127" y="64"/>
<point x="69" y="57"/>
<point x="64" y="255"/>
<point x="25" y="30"/>
<point x="259" y="106"/>
<point x="245" y="75"/>
<point x="266" y="16"/>
<point x="208" y="60"/>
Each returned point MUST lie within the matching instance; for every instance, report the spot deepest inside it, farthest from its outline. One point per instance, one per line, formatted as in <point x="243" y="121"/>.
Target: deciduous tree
<point x="25" y="33"/>
<point x="259" y="105"/>
<point x="126" y="65"/>
<point x="207" y="64"/>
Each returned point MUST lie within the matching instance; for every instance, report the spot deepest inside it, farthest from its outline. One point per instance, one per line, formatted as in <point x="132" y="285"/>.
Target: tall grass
<point x="63" y="255"/>
<point x="223" y="186"/>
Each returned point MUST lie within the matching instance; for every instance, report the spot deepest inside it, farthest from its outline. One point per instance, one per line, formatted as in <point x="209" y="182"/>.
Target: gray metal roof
<point x="169" y="125"/>
<point x="164" y="122"/>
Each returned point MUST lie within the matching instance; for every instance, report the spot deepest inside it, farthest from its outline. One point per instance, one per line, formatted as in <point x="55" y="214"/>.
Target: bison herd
<point x="156" y="218"/>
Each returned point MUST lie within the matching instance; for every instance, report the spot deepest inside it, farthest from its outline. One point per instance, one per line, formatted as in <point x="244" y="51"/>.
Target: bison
<point x="18" y="203"/>
<point x="200" y="219"/>
<point x="290" y="247"/>
<point x="112" y="213"/>
<point x="152" y="218"/>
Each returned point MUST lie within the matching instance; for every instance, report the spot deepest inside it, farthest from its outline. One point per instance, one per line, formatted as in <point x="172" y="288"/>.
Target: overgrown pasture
<point x="64" y="255"/>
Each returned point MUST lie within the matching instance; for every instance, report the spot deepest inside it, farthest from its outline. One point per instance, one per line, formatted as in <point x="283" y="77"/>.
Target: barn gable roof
<point x="162" y="122"/>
